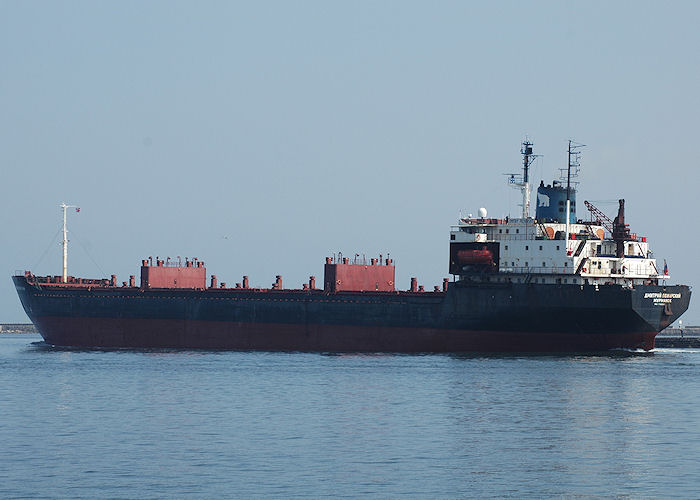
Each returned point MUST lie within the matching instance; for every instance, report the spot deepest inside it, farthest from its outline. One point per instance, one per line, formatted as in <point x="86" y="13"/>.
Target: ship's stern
<point x="660" y="306"/>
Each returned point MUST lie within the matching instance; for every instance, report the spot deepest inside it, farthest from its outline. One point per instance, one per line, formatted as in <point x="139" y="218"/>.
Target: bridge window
<point x="452" y="236"/>
<point x="517" y="230"/>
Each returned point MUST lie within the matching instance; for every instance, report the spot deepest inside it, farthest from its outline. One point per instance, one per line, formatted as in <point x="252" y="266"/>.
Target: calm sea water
<point x="173" y="424"/>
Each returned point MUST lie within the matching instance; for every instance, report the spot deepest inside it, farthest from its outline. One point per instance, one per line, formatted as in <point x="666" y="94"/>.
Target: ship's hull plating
<point x="466" y="318"/>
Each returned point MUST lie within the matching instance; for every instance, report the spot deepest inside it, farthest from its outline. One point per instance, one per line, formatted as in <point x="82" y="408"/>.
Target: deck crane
<point x="599" y="216"/>
<point x="618" y="229"/>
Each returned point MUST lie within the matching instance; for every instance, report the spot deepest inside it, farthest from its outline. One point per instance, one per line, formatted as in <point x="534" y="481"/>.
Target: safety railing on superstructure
<point x="537" y="270"/>
<point x="516" y="237"/>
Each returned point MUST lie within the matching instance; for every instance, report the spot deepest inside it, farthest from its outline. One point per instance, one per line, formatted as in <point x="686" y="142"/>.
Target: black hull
<point x="466" y="318"/>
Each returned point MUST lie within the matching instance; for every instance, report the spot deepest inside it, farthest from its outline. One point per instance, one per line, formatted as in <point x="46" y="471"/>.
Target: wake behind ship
<point x="553" y="283"/>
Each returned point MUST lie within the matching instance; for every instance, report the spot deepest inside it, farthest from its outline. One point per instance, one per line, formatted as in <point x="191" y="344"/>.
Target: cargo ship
<point x="552" y="283"/>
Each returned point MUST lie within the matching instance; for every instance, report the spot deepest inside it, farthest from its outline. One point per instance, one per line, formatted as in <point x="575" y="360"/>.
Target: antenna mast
<point x="572" y="170"/>
<point x="524" y="182"/>
<point x="65" y="242"/>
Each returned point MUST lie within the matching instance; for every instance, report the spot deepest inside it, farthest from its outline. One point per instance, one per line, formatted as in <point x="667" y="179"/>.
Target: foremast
<point x="64" y="278"/>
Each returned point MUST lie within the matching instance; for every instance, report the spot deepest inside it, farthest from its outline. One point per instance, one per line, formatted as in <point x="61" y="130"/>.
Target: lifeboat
<point x="475" y="257"/>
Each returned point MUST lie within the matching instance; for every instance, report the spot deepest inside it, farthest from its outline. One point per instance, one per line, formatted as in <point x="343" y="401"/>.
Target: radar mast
<point x="523" y="181"/>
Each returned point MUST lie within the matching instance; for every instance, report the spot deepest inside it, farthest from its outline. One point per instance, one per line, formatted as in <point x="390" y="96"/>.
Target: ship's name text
<point x="662" y="298"/>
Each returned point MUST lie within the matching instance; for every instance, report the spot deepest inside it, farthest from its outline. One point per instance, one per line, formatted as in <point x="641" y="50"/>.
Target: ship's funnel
<point x="551" y="203"/>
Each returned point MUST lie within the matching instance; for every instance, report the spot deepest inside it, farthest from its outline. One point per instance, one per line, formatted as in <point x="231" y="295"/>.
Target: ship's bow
<point x="24" y="291"/>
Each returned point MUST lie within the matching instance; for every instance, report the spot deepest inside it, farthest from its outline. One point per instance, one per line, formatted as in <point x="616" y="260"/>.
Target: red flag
<point x="77" y="209"/>
<point x="665" y="268"/>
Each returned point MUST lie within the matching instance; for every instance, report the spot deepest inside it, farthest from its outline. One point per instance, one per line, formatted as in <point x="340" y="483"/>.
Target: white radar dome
<point x="482" y="212"/>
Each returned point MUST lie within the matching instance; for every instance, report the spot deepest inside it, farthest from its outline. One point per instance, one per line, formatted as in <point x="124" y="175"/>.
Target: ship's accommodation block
<point x="528" y="250"/>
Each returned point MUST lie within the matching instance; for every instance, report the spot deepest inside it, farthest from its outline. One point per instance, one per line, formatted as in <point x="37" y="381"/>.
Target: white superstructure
<point x="553" y="249"/>
<point x="525" y="250"/>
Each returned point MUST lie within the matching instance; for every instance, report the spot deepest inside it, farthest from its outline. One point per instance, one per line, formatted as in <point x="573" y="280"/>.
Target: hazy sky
<point x="263" y="136"/>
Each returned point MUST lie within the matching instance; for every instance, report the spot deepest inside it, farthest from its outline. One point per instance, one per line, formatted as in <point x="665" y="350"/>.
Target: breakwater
<point x="17" y="328"/>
